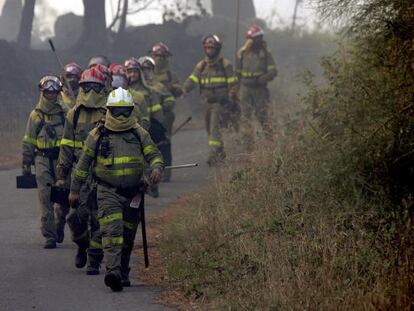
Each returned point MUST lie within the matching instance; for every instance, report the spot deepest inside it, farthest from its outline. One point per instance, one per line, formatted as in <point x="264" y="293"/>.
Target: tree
<point x="94" y="24"/>
<point x="26" y="24"/>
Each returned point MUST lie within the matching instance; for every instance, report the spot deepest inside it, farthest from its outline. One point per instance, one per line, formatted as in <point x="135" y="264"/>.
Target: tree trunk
<point x="94" y="24"/>
<point x="295" y="15"/>
<point x="124" y="14"/>
<point x="26" y="24"/>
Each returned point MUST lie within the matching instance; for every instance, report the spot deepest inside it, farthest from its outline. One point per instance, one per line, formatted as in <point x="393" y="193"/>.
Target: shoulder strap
<point x="102" y="134"/>
<point x="76" y="117"/>
<point x="169" y="76"/>
<point x="42" y="121"/>
<point x="136" y="134"/>
<point x="221" y="63"/>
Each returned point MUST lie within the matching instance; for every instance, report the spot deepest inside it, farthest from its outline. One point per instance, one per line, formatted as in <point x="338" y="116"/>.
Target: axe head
<point x="26" y="182"/>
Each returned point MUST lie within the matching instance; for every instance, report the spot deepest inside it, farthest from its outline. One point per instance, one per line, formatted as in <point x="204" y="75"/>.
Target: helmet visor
<point x="51" y="84"/>
<point x="88" y="86"/>
<point x="120" y="111"/>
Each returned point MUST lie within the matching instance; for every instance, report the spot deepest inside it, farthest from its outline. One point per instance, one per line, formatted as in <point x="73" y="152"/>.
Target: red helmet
<point x="132" y="63"/>
<point x="72" y="69"/>
<point x="161" y="49"/>
<point x="105" y="70"/>
<point x="253" y="31"/>
<point x="118" y="70"/>
<point x="93" y="75"/>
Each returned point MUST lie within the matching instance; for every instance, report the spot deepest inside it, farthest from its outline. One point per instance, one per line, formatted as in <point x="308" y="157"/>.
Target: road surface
<point x="32" y="278"/>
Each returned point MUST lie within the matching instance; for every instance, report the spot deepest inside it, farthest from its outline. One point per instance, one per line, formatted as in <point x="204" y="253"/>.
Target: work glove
<point x="26" y="170"/>
<point x="155" y="176"/>
<point x="60" y="183"/>
<point x="73" y="198"/>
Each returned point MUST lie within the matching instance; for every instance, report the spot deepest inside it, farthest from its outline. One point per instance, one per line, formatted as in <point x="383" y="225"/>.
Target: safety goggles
<point x="121" y="111"/>
<point x="50" y="83"/>
<point x="88" y="86"/>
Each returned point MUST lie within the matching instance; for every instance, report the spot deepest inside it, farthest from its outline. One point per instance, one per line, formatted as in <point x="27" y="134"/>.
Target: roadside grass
<point x="10" y="148"/>
<point x="272" y="235"/>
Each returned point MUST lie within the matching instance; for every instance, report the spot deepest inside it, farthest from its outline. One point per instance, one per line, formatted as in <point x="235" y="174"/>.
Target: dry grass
<point x="273" y="235"/>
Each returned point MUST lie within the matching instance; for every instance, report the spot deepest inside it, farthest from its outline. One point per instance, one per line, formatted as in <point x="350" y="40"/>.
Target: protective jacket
<point x="141" y="108"/>
<point x="80" y="120"/>
<point x="43" y="131"/>
<point x="169" y="79"/>
<point x="117" y="158"/>
<point x="158" y="98"/>
<point x="255" y="67"/>
<point x="66" y="100"/>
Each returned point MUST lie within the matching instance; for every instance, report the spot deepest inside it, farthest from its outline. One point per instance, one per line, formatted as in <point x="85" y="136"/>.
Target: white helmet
<point x="120" y="98"/>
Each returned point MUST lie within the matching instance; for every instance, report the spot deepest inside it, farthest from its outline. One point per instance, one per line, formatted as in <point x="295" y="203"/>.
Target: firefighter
<point x="215" y="78"/>
<point x="41" y="147"/>
<point x="88" y="112"/>
<point x="115" y="153"/>
<point x="255" y="68"/>
<point x="162" y="73"/>
<point x="70" y="76"/>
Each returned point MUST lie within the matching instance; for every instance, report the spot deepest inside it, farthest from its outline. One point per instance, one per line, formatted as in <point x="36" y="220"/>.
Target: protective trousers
<point x="255" y="99"/>
<point x="84" y="224"/>
<point x="213" y="120"/>
<point x="45" y="176"/>
<point x="118" y="223"/>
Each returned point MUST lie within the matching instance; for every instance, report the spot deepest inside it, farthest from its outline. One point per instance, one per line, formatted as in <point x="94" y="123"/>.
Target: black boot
<point x="125" y="277"/>
<point x="94" y="265"/>
<point x="81" y="258"/>
<point x="49" y="244"/>
<point x="60" y="234"/>
<point x="113" y="281"/>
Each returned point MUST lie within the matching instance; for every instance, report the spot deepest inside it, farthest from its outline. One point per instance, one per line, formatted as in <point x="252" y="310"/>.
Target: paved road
<point x="32" y="278"/>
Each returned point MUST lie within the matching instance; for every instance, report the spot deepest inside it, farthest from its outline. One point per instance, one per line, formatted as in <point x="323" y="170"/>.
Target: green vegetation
<point x="322" y="218"/>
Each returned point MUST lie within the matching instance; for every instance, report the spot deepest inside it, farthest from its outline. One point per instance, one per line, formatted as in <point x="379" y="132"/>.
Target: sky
<point x="277" y="13"/>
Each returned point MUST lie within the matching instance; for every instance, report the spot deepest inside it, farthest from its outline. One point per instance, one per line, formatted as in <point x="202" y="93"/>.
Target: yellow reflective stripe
<point x="170" y="98"/>
<point x="81" y="174"/>
<point x="41" y="144"/>
<point x="119" y="160"/>
<point x="48" y="145"/>
<point x="88" y="151"/>
<point x="214" y="143"/>
<point x="93" y="244"/>
<point x="214" y="80"/>
<point x="71" y="143"/>
<point x="231" y="79"/>
<point x="29" y="140"/>
<point x="271" y="67"/>
<point x="149" y="149"/>
<point x="194" y="79"/>
<point x="248" y="74"/>
<point x="112" y="241"/>
<point x="130" y="225"/>
<point x="154" y="108"/>
<point x="157" y="160"/>
<point x="110" y="218"/>
<point x="120" y="172"/>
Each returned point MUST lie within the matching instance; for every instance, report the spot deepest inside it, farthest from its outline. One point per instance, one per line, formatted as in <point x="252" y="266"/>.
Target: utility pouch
<point x="59" y="195"/>
<point x="26" y="182"/>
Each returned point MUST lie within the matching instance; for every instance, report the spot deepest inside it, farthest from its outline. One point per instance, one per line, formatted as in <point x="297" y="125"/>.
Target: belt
<point x="48" y="153"/>
<point x="128" y="193"/>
